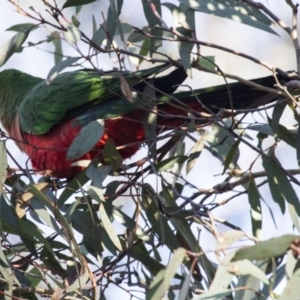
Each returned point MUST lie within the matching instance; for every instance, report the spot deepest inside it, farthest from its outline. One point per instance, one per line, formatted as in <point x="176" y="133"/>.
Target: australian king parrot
<point x="43" y="117"/>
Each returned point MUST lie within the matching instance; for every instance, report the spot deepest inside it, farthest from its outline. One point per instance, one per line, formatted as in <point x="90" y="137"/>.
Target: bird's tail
<point x="234" y="98"/>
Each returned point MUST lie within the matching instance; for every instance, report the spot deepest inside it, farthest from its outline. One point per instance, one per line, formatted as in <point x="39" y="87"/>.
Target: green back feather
<point x="40" y="105"/>
<point x="14" y="85"/>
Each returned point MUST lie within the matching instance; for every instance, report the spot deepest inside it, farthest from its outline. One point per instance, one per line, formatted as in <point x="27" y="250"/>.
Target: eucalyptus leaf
<point x="266" y="249"/>
<point x="235" y="11"/>
<point x="87" y="138"/>
<point x="255" y="208"/>
<point x="70" y="3"/>
<point x="13" y="45"/>
<point x="60" y="67"/>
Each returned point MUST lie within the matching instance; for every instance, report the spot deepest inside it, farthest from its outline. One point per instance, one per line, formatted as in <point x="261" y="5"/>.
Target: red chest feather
<point x="48" y="152"/>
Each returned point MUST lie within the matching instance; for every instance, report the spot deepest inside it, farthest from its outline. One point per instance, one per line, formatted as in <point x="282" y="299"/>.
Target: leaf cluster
<point x="111" y="227"/>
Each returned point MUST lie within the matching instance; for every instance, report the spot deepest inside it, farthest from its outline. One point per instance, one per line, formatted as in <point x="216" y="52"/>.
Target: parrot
<point x="44" y="117"/>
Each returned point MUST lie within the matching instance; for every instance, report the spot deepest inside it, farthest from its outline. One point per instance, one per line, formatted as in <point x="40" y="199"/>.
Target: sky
<point x="274" y="49"/>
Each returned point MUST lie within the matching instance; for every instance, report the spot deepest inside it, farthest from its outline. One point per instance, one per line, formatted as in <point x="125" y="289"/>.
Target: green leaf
<point x="276" y="115"/>
<point x="221" y="143"/>
<point x="75" y="21"/>
<point x="173" y="266"/>
<point x="231" y="155"/>
<point x="183" y="27"/>
<point x="136" y="37"/>
<point x="111" y="155"/>
<point x="247" y="287"/>
<point x="158" y="222"/>
<point x="294" y="217"/>
<point x="113" y="21"/>
<point x="99" y="35"/>
<point x="13" y="45"/>
<point x="168" y="163"/>
<point x="283" y="133"/>
<point x="86" y="139"/>
<point x="40" y="209"/>
<point x="61" y="66"/>
<point x="291" y="262"/>
<point x="228" y="238"/>
<point x="220" y="282"/>
<point x="235" y="11"/>
<point x="145" y="49"/>
<point x="162" y="281"/>
<point x="58" y="51"/>
<point x="3" y="164"/>
<point x="78" y="9"/>
<point x="141" y="254"/>
<point x="156" y="289"/>
<point x="70" y="3"/>
<point x="214" y="295"/>
<point x="11" y="224"/>
<point x="298" y="146"/>
<point x="207" y="62"/>
<point x="77" y="182"/>
<point x="94" y="25"/>
<point x="125" y="220"/>
<point x="24" y="27"/>
<point x="109" y="228"/>
<point x="266" y="249"/>
<point x="280" y="186"/>
<point x="6" y="271"/>
<point x="79" y="282"/>
<point x="153" y="21"/>
<point x="195" y="154"/>
<point x="292" y="290"/>
<point x="262" y="128"/>
<point x="185" y="287"/>
<point x="123" y="28"/>
<point x="150" y="126"/>
<point x="287" y="135"/>
<point x="255" y="209"/>
<point x="246" y="267"/>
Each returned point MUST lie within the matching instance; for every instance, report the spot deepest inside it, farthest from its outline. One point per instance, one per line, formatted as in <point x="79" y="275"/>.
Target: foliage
<point x="69" y="240"/>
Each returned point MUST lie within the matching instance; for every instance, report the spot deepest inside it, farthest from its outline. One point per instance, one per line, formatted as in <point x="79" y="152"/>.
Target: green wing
<point x="75" y="93"/>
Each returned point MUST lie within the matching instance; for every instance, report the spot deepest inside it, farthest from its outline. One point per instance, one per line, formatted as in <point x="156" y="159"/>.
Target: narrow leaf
<point x="230" y="9"/>
<point x="294" y="217"/>
<point x="246" y="267"/>
<point x="255" y="208"/>
<point x="79" y="282"/>
<point x="170" y="162"/>
<point x="125" y="88"/>
<point x="228" y="238"/>
<point x="12" y="46"/>
<point x="195" y="154"/>
<point x="208" y="62"/>
<point x="292" y="290"/>
<point x="58" y="51"/>
<point x="298" y="146"/>
<point x="87" y="138"/>
<point x="61" y="66"/>
<point x="280" y="186"/>
<point x="152" y="12"/>
<point x="3" y="164"/>
<point x="161" y="283"/>
<point x="266" y="249"/>
<point x="22" y="27"/>
<point x="109" y="228"/>
<point x="70" y="3"/>
<point x="231" y="155"/>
